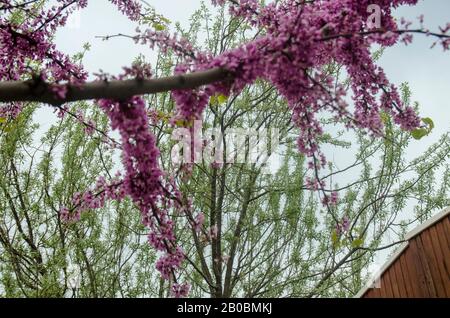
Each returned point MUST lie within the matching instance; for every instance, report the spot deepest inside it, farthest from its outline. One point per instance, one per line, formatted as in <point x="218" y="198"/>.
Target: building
<point x="420" y="267"/>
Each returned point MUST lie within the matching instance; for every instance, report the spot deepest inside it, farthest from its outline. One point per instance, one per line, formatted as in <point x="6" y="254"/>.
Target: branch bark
<point x="35" y="91"/>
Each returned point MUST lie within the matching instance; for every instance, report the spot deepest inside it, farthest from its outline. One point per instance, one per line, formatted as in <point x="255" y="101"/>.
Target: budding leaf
<point x="429" y="122"/>
<point x="180" y="123"/>
<point x="222" y="99"/>
<point x="164" y="19"/>
<point x="218" y="99"/>
<point x="419" y="133"/>
<point x="184" y="123"/>
<point x="159" y="27"/>
<point x="384" y="117"/>
<point x="357" y="243"/>
<point x="335" y="239"/>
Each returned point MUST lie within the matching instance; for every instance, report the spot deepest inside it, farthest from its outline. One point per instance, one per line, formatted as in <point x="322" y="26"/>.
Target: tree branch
<point x="40" y="91"/>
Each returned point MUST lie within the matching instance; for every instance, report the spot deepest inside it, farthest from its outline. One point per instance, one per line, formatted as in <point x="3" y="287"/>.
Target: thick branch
<point x="32" y="91"/>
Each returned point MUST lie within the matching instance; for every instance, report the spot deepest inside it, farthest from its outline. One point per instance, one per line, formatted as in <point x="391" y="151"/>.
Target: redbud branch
<point x="40" y="91"/>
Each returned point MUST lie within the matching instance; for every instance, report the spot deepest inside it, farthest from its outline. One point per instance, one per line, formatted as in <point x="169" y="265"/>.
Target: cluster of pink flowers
<point x="331" y="200"/>
<point x="190" y="104"/>
<point x="180" y="290"/>
<point x="343" y="226"/>
<point x="168" y="263"/>
<point x="313" y="183"/>
<point x="199" y="221"/>
<point x="143" y="180"/>
<point x="30" y="40"/>
<point x="94" y="198"/>
<point x="158" y="239"/>
<point x="67" y="216"/>
<point x="165" y="41"/>
<point x="131" y="8"/>
<point x="11" y="110"/>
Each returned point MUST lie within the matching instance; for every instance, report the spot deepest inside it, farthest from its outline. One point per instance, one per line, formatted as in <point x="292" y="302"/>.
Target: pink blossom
<point x="199" y="220"/>
<point x="180" y="290"/>
<point x="213" y="231"/>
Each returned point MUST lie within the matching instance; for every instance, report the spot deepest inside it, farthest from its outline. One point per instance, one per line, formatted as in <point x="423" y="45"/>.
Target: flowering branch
<point x="37" y="90"/>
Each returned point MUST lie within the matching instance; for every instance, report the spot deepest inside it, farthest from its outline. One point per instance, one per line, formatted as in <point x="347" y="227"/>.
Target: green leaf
<point x="419" y="133"/>
<point x="335" y="239"/>
<point x="164" y="19"/>
<point x="184" y="123"/>
<point x="357" y="243"/>
<point x="222" y="99"/>
<point x="429" y="122"/>
<point x="159" y="27"/>
<point x="180" y="123"/>
<point x="218" y="99"/>
<point x="384" y="117"/>
<point x="2" y="120"/>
